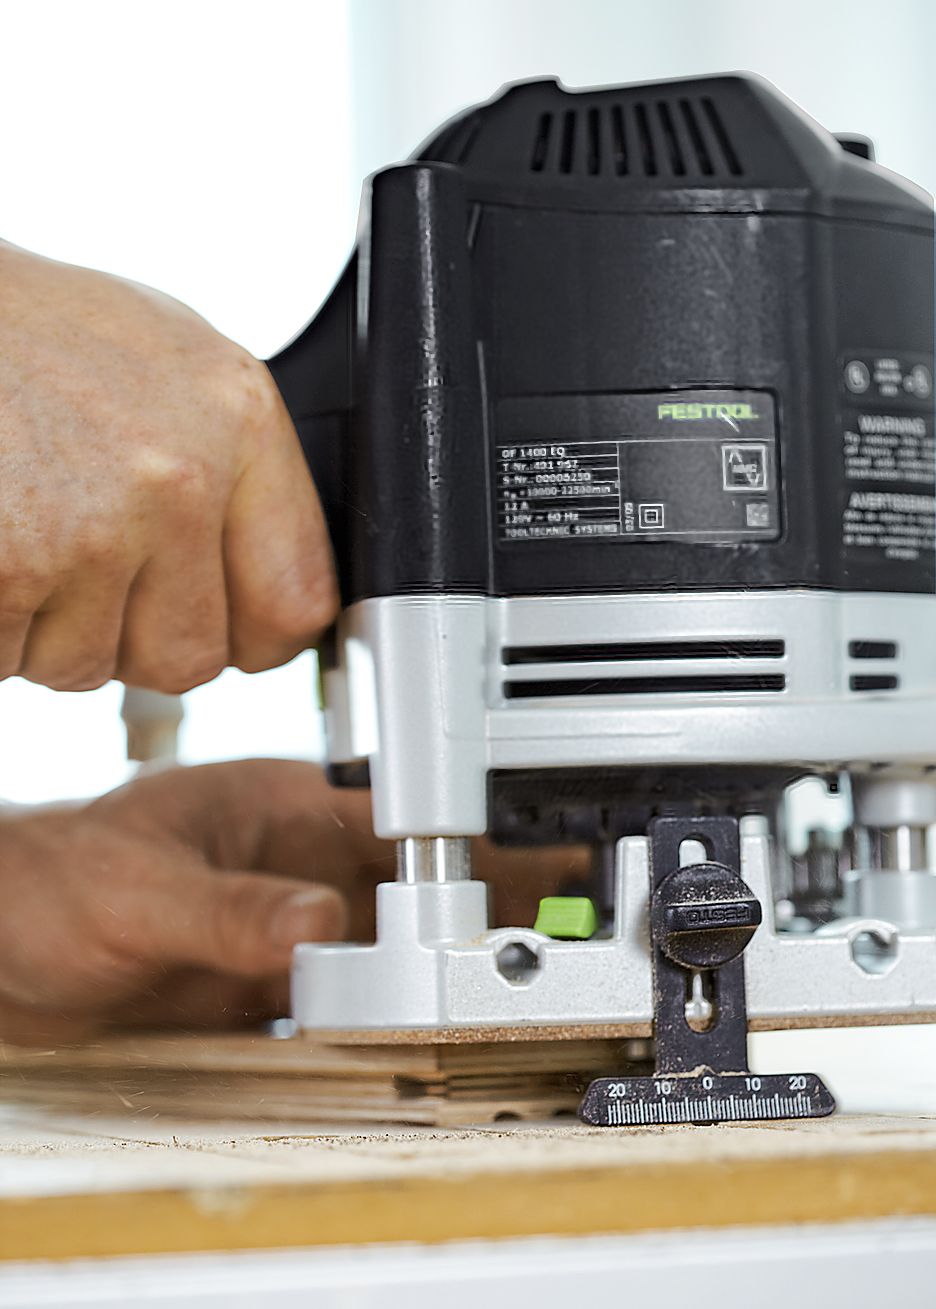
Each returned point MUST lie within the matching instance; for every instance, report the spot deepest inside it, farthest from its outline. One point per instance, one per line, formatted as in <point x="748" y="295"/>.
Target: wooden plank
<point x="302" y="1055"/>
<point x="253" y="1076"/>
<point x="321" y="1188"/>
<point x="608" y="1031"/>
<point x="150" y="1183"/>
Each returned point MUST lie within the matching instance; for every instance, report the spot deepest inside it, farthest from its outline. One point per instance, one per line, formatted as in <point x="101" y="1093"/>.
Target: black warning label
<point x="698" y="465"/>
<point x="889" y="454"/>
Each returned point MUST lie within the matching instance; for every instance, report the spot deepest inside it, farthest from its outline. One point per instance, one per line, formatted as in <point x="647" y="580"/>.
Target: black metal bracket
<point x="722" y="1046"/>
<point x="702" y="916"/>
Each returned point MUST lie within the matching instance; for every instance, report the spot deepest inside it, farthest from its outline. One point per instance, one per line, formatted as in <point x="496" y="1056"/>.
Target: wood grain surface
<point x="86" y="1187"/>
<point x="255" y="1076"/>
<point x="153" y="1180"/>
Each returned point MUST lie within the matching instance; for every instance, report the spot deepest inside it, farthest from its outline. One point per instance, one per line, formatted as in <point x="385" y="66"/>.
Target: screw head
<point x="703" y="915"/>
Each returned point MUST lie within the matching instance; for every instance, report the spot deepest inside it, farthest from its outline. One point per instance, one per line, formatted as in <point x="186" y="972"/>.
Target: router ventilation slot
<point x="880" y="651"/>
<point x="671" y="139"/>
<point x="653" y="681"/>
<point x="633" y="650"/>
<point x="541" y="143"/>
<point x="872" y="649"/>
<point x="873" y="682"/>
<point x="721" y="683"/>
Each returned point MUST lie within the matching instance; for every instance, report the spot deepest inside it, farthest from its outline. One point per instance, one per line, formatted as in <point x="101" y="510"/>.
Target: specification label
<point x="559" y="489"/>
<point x="698" y="465"/>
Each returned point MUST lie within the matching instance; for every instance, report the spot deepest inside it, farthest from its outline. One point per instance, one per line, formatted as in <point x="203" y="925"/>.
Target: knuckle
<point x="83" y="540"/>
<point x="261" y="661"/>
<point x="177" y="673"/>
<point x="22" y="591"/>
<point x="238" y="391"/>
<point x="83" y="672"/>
<point x="300" y="607"/>
<point x="283" y="619"/>
<point x="246" y="390"/>
<point x="95" y="545"/>
<point x="9" y="666"/>
<point x="182" y="477"/>
<point x="91" y="680"/>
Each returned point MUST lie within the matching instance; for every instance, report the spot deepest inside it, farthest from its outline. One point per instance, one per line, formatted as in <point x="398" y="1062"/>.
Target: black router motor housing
<point x="669" y="259"/>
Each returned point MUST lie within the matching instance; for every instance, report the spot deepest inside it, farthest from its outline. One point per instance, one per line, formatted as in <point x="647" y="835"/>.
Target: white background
<point x="215" y="149"/>
<point x="203" y="148"/>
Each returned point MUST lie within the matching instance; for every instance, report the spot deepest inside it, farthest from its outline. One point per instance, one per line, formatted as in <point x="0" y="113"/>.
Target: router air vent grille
<point x="670" y="139"/>
<point x="881" y="655"/>
<point x="644" y="668"/>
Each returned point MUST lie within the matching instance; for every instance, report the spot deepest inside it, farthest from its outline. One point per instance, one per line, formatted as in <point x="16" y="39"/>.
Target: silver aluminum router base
<point x="436" y="965"/>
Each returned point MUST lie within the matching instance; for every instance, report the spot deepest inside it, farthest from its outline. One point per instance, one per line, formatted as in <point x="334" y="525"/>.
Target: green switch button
<point x="566" y="917"/>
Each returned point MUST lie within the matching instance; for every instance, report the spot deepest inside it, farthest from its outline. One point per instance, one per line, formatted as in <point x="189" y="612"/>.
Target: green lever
<point x="567" y="917"/>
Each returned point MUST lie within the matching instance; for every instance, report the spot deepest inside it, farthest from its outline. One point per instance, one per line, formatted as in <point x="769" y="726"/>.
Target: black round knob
<point x="703" y="915"/>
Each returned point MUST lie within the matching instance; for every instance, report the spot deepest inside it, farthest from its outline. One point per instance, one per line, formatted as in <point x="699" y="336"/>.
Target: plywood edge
<point x="597" y="1031"/>
<point x="302" y="1056"/>
<point x="556" y="1202"/>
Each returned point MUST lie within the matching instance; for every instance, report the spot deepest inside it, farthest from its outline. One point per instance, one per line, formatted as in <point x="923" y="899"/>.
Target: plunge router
<point x="622" y="418"/>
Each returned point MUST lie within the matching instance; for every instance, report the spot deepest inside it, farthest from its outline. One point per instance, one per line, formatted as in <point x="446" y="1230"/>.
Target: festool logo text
<point x="688" y="413"/>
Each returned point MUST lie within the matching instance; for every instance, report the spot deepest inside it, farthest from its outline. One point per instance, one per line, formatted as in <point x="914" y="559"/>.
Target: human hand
<point x="159" y="522"/>
<point x="175" y="901"/>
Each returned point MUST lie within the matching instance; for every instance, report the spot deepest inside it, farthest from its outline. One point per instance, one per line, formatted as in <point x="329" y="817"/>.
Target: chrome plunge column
<point x="434" y="859"/>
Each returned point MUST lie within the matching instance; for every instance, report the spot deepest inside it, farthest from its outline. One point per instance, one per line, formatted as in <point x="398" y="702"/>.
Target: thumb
<point x="244" y="924"/>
